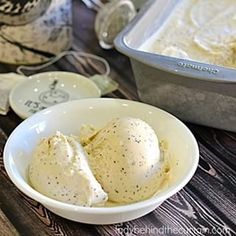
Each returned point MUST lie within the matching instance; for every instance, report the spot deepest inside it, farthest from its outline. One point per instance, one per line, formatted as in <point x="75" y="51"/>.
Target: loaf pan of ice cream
<point x="201" y="93"/>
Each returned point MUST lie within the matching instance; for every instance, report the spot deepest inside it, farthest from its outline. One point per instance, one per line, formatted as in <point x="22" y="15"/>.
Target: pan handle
<point x="173" y="65"/>
<point x="189" y="68"/>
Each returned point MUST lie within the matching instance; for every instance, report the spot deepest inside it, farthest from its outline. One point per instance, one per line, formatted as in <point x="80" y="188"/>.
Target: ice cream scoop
<point x="125" y="159"/>
<point x="59" y="169"/>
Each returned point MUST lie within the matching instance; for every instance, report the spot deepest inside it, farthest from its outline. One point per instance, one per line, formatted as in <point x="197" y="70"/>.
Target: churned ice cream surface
<point x="59" y="169"/>
<point x="125" y="159"/>
<point x="118" y="164"/>
<point x="199" y="30"/>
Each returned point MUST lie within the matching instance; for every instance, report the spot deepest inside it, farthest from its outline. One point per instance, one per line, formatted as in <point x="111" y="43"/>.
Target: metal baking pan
<point x="193" y="91"/>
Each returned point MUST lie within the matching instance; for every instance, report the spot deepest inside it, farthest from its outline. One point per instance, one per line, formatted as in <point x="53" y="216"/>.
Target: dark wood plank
<point x="7" y="229"/>
<point x="221" y="143"/>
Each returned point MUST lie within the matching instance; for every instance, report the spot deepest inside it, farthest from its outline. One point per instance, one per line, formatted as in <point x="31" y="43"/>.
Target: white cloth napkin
<point x="7" y="82"/>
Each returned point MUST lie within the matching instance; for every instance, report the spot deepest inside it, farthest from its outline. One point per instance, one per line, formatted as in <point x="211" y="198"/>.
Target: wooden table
<point x="207" y="202"/>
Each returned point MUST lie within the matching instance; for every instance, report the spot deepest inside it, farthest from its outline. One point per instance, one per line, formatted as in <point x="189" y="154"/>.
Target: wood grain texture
<point x="206" y="206"/>
<point x="7" y="229"/>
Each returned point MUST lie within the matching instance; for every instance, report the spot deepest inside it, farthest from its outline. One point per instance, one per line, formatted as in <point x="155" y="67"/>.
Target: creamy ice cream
<point x="118" y="164"/>
<point x="59" y="170"/>
<point x="201" y="30"/>
<point x="125" y="159"/>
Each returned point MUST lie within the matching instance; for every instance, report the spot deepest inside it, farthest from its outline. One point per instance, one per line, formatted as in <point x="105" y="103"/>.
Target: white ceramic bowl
<point x="68" y="118"/>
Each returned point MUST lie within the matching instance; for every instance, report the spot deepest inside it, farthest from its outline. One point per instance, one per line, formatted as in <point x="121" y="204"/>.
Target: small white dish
<point x="68" y="118"/>
<point x="43" y="90"/>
